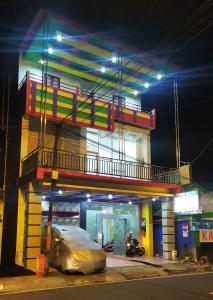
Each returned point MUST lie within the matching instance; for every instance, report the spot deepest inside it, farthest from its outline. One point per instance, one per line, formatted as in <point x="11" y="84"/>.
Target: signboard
<point x="187" y="203"/>
<point x="185" y="230"/>
<point x="206" y="235"/>
<point x="185" y="174"/>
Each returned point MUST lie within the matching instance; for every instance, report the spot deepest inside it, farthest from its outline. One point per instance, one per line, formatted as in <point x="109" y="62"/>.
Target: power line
<point x="202" y="151"/>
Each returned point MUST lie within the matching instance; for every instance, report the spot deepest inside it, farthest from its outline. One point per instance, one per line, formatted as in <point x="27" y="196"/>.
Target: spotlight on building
<point x="88" y="195"/>
<point x="110" y="197"/>
<point x="147" y="85"/>
<point x="50" y="50"/>
<point x="59" y="37"/>
<point x="60" y="192"/>
<point x="103" y="70"/>
<point x="130" y="202"/>
<point x="135" y="93"/>
<point x="159" y="76"/>
<point x="114" y="59"/>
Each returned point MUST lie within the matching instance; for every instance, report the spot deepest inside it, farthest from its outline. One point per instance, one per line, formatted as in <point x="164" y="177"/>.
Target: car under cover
<point x="73" y="250"/>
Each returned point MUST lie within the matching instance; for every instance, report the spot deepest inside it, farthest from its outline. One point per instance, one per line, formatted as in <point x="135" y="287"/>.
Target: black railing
<point x="90" y="164"/>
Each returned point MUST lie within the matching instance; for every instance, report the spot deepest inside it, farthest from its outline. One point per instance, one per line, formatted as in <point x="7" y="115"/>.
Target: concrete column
<point x="83" y="215"/>
<point x="168" y="227"/>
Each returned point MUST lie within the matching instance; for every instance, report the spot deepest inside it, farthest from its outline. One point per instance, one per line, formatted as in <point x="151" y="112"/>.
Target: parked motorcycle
<point x="134" y="248"/>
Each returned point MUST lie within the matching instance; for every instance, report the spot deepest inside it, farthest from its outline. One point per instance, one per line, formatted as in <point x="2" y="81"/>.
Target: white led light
<point x="153" y="199"/>
<point x="60" y="192"/>
<point x="159" y="76"/>
<point x="59" y="37"/>
<point x="147" y="85"/>
<point x="89" y="200"/>
<point x="135" y="93"/>
<point x="103" y="70"/>
<point x="50" y="50"/>
<point x="110" y="196"/>
<point x="130" y="202"/>
<point x="114" y="59"/>
<point x="88" y="195"/>
<point x="41" y="61"/>
<point x="43" y="197"/>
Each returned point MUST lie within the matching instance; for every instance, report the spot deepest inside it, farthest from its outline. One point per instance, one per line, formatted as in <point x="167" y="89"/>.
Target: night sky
<point x="180" y="31"/>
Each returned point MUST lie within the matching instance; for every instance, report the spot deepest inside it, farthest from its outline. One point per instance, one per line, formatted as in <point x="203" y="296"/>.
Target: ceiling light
<point x="130" y="202"/>
<point x="43" y="197"/>
<point x="60" y="192"/>
<point x="114" y="59"/>
<point x="59" y="37"/>
<point x="103" y="70"/>
<point x="135" y="93"/>
<point x="50" y="50"/>
<point x="146" y="85"/>
<point x="159" y="76"/>
<point x="42" y="61"/>
<point x="110" y="196"/>
<point x="154" y="199"/>
<point x="89" y="200"/>
<point x="88" y="195"/>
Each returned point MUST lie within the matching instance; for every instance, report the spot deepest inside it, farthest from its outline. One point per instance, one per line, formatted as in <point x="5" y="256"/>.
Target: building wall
<point x="147" y="239"/>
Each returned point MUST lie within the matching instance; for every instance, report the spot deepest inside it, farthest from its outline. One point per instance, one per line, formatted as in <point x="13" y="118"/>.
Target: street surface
<point x="184" y="287"/>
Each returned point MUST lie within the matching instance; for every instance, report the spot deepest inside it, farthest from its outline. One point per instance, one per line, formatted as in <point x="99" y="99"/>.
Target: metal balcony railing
<point x="90" y="164"/>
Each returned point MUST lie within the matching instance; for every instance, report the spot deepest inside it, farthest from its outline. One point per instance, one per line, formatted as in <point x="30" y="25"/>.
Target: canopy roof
<point x="94" y="57"/>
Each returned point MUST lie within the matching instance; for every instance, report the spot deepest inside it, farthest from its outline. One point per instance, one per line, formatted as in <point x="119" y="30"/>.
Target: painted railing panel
<point x="81" y="110"/>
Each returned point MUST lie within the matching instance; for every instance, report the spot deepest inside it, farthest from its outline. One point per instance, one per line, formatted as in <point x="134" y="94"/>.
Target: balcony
<point x="80" y="108"/>
<point x="89" y="164"/>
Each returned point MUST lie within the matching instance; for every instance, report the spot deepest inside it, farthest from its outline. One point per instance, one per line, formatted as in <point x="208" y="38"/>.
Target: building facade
<point x="84" y="126"/>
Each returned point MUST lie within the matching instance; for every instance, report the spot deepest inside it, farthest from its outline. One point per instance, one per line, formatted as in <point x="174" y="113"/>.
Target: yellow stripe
<point x="65" y="94"/>
<point x="100" y="114"/>
<point x="142" y="115"/>
<point x="65" y="105"/>
<point x="110" y="189"/>
<point x="127" y="111"/>
<point x="84" y="110"/>
<point x="49" y="101"/>
<point x="101" y="124"/>
<point x="83" y="120"/>
<point x="39" y="87"/>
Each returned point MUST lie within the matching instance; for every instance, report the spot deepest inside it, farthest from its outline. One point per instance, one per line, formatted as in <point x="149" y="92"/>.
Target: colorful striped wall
<point x="81" y="110"/>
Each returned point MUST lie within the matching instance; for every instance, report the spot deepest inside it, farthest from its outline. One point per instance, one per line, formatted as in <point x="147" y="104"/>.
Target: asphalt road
<point x="185" y="287"/>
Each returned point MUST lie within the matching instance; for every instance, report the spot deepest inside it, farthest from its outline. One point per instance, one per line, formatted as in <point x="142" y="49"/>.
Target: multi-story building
<point x="84" y="125"/>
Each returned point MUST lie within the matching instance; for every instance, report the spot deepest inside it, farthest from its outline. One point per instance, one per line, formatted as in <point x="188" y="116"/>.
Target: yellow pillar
<point x="1" y="224"/>
<point x="20" y="227"/>
<point x="148" y="234"/>
<point x="29" y="228"/>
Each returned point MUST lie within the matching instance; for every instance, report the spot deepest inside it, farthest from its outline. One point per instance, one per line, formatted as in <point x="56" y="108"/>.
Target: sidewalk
<point x="57" y="279"/>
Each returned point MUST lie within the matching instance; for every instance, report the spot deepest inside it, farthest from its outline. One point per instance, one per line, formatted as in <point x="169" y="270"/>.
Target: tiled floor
<point x="124" y="261"/>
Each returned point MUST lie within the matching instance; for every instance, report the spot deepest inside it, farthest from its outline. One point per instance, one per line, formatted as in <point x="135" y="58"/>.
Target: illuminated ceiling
<point x="74" y="51"/>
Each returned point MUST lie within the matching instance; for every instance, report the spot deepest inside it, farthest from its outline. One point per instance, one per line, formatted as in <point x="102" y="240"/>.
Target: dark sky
<point x="181" y="31"/>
